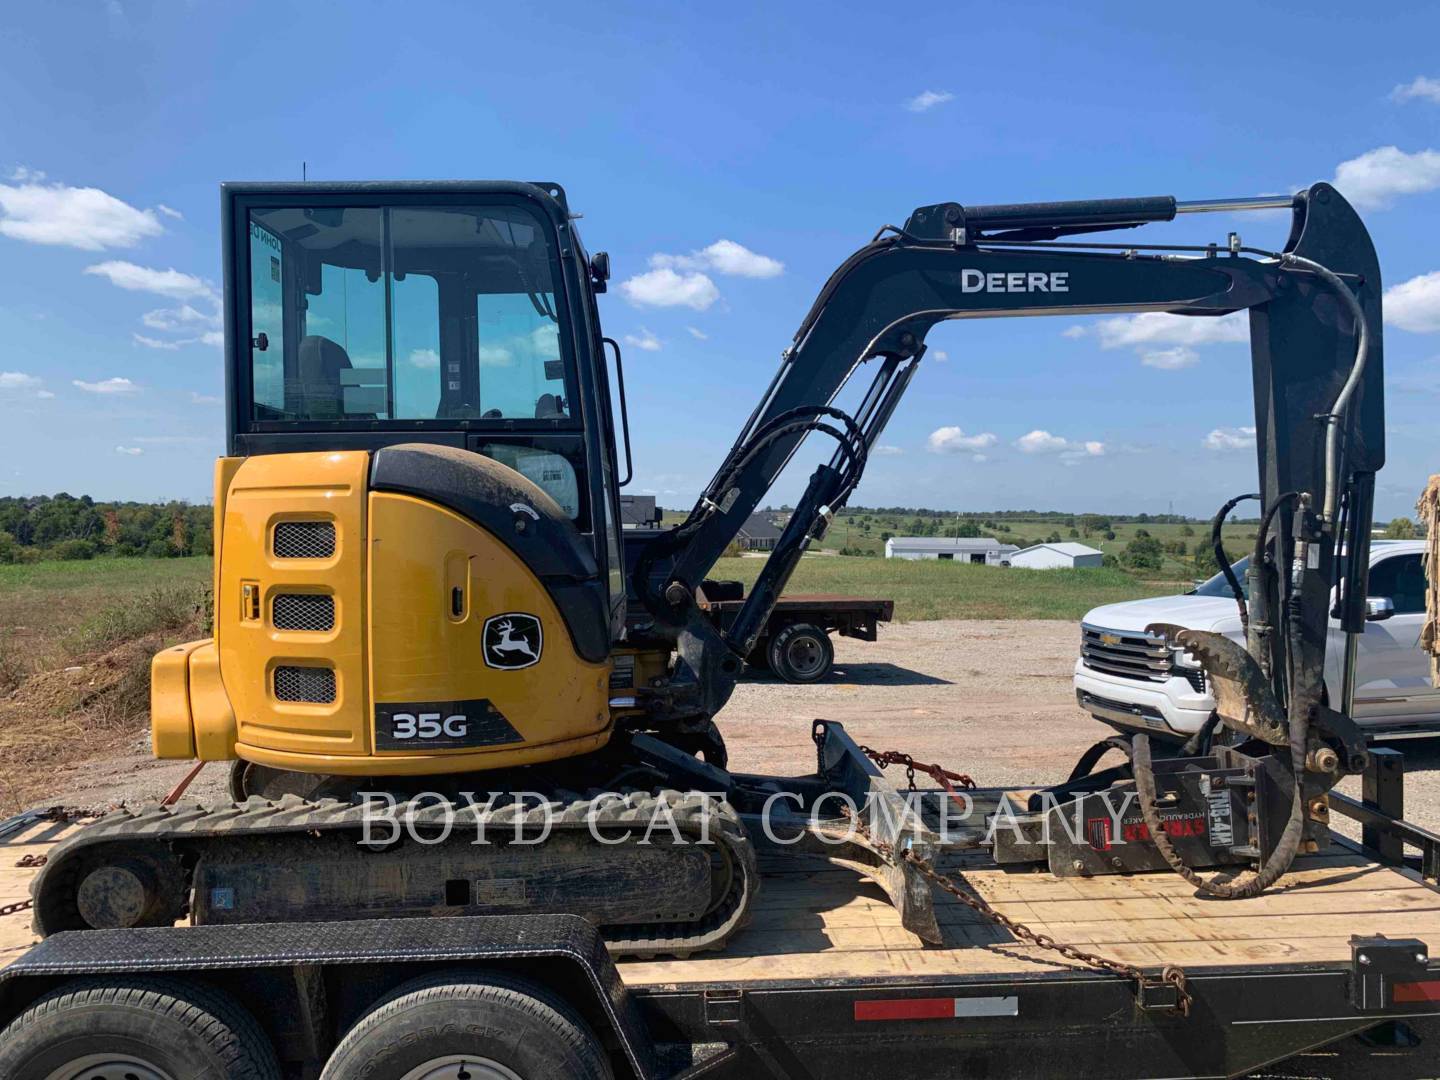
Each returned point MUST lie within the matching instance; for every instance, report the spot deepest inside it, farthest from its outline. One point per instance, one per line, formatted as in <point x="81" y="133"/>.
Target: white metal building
<point x="1056" y="556"/>
<point x="985" y="550"/>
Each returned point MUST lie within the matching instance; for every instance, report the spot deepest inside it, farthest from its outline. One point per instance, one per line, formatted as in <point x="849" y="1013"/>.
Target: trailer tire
<point x="514" y="1027"/>
<point x="136" y="1026"/>
<point x="801" y="653"/>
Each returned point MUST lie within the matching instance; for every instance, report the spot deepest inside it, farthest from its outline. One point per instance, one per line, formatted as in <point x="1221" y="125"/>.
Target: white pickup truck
<point x="1130" y="680"/>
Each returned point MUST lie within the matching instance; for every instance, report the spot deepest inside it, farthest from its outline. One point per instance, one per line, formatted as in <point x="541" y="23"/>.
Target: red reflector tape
<point x="1407" y="992"/>
<point x="906" y="1009"/>
<point x="935" y="1008"/>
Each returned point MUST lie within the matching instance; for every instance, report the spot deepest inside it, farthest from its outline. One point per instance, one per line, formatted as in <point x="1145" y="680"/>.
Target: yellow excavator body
<point x="354" y="627"/>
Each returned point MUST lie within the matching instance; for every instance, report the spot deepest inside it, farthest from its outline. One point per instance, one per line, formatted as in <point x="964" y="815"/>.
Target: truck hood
<point x="1193" y="612"/>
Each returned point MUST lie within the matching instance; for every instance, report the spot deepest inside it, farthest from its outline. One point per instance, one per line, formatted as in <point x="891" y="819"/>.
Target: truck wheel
<point x="453" y="1027"/>
<point x="801" y="653"/>
<point x="141" y="1028"/>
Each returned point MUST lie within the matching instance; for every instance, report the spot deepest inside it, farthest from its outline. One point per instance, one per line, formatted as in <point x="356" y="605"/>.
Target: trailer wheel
<point x="137" y="1028"/>
<point x="801" y="653"/>
<point x="453" y="1027"/>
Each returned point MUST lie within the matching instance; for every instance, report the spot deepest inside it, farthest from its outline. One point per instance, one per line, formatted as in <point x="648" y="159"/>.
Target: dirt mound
<point x="54" y="718"/>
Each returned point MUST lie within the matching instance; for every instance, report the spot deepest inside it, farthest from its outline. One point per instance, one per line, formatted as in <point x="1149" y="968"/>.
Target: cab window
<point x="435" y="313"/>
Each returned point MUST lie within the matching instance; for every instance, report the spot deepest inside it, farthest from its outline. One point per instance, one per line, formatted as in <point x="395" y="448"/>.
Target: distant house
<point x="759" y="533"/>
<point x="639" y="512"/>
<point x="1057" y="556"/>
<point x="982" y="550"/>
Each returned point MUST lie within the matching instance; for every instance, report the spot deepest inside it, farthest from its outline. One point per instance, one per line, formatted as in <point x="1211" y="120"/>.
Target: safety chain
<point x="55" y="813"/>
<point x="944" y="777"/>
<point x="1170" y="975"/>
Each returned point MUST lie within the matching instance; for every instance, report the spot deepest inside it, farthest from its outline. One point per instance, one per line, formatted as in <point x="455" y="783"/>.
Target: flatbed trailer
<point x="824" y="982"/>
<point x="795" y="644"/>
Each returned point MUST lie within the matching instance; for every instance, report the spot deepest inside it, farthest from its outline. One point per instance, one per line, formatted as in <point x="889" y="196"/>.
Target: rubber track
<point x="186" y="831"/>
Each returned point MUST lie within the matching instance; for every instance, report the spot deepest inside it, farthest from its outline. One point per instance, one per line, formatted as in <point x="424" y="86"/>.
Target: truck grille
<point x="1132" y="654"/>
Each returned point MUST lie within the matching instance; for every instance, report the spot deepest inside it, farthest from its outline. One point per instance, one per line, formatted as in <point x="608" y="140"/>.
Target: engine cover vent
<point x="304" y="540"/>
<point x="310" y="612"/>
<point x="313" y="685"/>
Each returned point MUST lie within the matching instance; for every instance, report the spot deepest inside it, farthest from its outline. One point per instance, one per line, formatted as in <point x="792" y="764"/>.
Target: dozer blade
<point x="844" y="769"/>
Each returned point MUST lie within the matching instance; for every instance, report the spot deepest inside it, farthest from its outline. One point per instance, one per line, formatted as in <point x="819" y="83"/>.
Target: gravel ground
<point x="991" y="699"/>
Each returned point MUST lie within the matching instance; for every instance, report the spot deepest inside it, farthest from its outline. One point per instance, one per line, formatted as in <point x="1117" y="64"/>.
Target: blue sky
<point x="790" y="132"/>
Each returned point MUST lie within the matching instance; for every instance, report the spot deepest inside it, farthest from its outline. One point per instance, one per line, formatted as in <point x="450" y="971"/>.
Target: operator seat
<point x="320" y="361"/>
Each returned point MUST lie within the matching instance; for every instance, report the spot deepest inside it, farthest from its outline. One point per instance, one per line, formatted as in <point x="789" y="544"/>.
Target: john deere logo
<point x="512" y="641"/>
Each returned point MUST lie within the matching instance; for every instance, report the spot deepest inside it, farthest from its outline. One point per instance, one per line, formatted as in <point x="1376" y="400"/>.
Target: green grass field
<point x="948" y="590"/>
<point x="45" y="606"/>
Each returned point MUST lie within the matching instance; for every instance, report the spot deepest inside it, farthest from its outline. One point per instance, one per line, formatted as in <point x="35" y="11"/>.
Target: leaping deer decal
<point x="508" y="644"/>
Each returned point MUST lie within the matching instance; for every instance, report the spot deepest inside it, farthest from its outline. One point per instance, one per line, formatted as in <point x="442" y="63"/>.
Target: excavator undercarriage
<point x="450" y="684"/>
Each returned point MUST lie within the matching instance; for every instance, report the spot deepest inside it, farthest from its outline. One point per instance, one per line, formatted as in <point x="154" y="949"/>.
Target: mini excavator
<point x="422" y="587"/>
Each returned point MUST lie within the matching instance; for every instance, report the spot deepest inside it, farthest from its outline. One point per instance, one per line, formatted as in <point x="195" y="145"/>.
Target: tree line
<point x="65" y="526"/>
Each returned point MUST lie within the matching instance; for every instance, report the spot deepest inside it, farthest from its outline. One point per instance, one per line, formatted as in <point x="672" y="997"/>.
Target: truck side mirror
<point x="1378" y="608"/>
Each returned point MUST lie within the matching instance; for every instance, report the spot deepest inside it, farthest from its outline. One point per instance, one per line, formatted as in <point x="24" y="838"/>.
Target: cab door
<point x="1393" y="672"/>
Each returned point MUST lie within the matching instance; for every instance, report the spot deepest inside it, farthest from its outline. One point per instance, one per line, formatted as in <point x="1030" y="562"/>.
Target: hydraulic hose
<point x="1357" y="369"/>
<point x="1217" y="544"/>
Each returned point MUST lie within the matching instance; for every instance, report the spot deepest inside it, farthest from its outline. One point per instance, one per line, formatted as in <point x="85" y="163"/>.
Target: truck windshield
<point x="405" y="313"/>
<point x="1218" y="586"/>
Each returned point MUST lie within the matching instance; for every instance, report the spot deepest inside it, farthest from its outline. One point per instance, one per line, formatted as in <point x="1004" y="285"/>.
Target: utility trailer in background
<point x="824" y="982"/>
<point x="795" y="644"/>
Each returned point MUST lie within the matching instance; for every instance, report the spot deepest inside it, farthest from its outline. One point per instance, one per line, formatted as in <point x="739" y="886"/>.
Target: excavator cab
<point x="418" y="519"/>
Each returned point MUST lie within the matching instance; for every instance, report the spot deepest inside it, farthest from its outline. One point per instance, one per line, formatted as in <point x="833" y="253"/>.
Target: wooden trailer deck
<point x="816" y="922"/>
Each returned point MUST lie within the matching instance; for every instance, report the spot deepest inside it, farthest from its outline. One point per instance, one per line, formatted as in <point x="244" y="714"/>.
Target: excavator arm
<point x="1316" y="356"/>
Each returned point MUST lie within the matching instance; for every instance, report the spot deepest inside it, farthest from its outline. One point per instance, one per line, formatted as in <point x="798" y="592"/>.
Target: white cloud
<point x="171" y="283"/>
<point x="723" y="257"/>
<point x="1422" y="89"/>
<point x="182" y="318"/>
<point x="1170" y="359"/>
<point x="115" y="385"/>
<point x="1414" y="305"/>
<point x="697" y="333"/>
<point x="1162" y="328"/>
<point x="1074" y="332"/>
<point x="644" y="340"/>
<point x="495" y="356"/>
<point x="131" y="451"/>
<point x="951" y="440"/>
<point x="44" y="395"/>
<point x="939" y="354"/>
<point x="155" y="343"/>
<point x="425" y="359"/>
<point x="214" y="338"/>
<point x="979" y="459"/>
<point x="205" y="399"/>
<point x="18" y="380"/>
<point x="170" y="211"/>
<point x="928" y="99"/>
<point x="1042" y="442"/>
<point x="663" y="287"/>
<point x="1237" y="438"/>
<point x="85" y="218"/>
<point x="886" y="451"/>
<point x="1376" y="178"/>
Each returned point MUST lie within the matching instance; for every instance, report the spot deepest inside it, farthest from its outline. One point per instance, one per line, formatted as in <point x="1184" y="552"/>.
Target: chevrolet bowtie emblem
<point x="1110" y="639"/>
